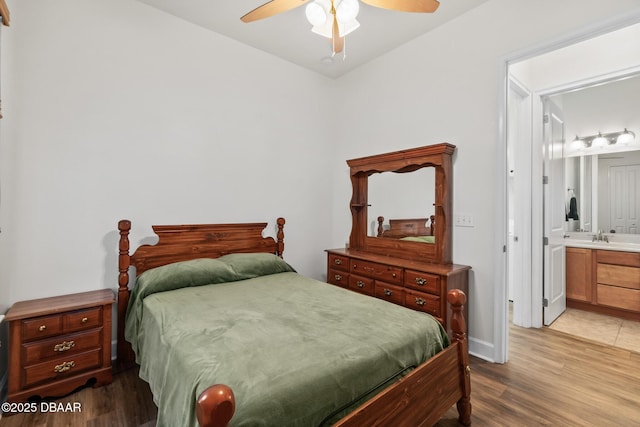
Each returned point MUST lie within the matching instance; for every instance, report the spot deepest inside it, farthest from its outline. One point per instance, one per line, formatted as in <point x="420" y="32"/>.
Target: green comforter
<point x="293" y="349"/>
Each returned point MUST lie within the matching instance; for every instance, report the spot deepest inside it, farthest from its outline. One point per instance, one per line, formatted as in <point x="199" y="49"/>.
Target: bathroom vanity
<point x="604" y="278"/>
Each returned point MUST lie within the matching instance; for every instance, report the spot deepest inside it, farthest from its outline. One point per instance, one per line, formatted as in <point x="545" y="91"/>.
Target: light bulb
<point x="626" y="137"/>
<point x="316" y="14"/>
<point x="347" y="10"/>
<point x="600" y="141"/>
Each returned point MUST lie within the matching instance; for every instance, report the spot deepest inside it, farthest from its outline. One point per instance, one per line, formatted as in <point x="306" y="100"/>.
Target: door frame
<point x="501" y="312"/>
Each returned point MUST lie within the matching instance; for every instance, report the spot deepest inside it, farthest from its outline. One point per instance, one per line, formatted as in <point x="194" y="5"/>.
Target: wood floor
<point x="552" y="379"/>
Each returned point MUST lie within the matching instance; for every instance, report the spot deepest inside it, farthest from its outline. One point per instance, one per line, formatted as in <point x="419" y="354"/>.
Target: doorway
<point x="530" y="80"/>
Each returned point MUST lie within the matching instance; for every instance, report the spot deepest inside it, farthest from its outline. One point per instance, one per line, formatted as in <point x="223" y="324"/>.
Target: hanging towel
<point x="573" y="209"/>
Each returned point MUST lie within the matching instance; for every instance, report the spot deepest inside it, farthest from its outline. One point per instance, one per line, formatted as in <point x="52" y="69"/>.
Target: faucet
<point x="600" y="237"/>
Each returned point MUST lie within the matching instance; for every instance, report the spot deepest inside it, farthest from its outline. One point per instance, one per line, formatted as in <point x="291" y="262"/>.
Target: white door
<point x="554" y="206"/>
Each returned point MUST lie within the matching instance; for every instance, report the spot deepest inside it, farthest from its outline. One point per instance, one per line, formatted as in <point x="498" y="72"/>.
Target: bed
<point x="339" y="367"/>
<point x="410" y="229"/>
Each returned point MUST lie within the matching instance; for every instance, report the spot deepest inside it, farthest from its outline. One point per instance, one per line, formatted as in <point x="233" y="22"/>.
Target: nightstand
<point x="57" y="344"/>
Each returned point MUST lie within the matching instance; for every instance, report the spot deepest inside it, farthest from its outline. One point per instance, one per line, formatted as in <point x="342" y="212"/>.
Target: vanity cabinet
<point x="618" y="279"/>
<point x="579" y="277"/>
<point x="604" y="281"/>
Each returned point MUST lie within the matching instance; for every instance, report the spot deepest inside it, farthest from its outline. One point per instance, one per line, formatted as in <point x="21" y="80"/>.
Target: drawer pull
<point x="64" y="346"/>
<point x="337" y="261"/>
<point x="420" y="281"/>
<point x="388" y="292"/>
<point x="355" y="266"/>
<point x="393" y="275"/>
<point x="420" y="301"/>
<point x="360" y="284"/>
<point x="85" y="320"/>
<point x="337" y="277"/>
<point x="42" y="328"/>
<point x="64" y="367"/>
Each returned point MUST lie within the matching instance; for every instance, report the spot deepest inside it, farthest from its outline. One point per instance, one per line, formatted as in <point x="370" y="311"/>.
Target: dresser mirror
<point x="406" y="199"/>
<point x="409" y="185"/>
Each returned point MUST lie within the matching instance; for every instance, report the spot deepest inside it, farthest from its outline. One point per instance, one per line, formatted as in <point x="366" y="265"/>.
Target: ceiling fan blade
<point x="271" y="8"/>
<point x="337" y="42"/>
<point x="422" y="6"/>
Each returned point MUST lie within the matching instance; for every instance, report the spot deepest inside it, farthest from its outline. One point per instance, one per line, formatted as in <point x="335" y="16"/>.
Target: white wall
<point x="115" y="110"/>
<point x="444" y="86"/>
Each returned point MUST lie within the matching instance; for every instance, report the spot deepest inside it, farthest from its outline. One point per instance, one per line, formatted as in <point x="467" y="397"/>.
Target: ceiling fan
<point x="335" y="19"/>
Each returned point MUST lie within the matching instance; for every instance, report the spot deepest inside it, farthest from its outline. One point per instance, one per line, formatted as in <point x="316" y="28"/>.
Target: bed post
<point x="380" y="227"/>
<point x="125" y="354"/>
<point x="215" y="406"/>
<point x="280" y="236"/>
<point x="457" y="299"/>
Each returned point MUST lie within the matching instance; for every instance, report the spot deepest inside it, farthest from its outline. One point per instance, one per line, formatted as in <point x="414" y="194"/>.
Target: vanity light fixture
<point x="603" y="139"/>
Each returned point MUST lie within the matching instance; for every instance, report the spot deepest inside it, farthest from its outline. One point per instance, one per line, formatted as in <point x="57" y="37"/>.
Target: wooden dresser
<point x="417" y="285"/>
<point x="400" y="265"/>
<point x="57" y="344"/>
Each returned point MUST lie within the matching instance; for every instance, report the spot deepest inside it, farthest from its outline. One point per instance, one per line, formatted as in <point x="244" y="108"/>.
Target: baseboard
<point x="481" y="349"/>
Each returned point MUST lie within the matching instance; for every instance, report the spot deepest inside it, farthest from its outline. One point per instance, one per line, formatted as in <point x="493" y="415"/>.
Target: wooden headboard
<point x="183" y="243"/>
<point x="399" y="228"/>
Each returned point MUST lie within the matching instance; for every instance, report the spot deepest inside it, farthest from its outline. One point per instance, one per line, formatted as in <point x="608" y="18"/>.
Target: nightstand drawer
<point x="423" y="302"/>
<point x="361" y="284"/>
<point x="61" y="367"/>
<point x="339" y="278"/>
<point x="41" y="327"/>
<point x="422" y="281"/>
<point x="38" y="351"/>
<point x="83" y="319"/>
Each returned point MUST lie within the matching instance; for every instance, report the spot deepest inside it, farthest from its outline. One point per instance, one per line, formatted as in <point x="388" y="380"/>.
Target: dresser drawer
<point x="41" y="327"/>
<point x="361" y="284"/>
<point x="391" y="293"/>
<point x="38" y="351"/>
<point x="383" y="272"/>
<point x="339" y="262"/>
<point x="423" y="302"/>
<point x="61" y="367"/>
<point x="338" y="277"/>
<point x="83" y="319"/>
<point x="422" y="281"/>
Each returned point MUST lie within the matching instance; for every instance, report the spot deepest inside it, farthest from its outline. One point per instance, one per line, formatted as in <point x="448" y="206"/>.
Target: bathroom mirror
<point x="405" y="201"/>
<point x="604" y="180"/>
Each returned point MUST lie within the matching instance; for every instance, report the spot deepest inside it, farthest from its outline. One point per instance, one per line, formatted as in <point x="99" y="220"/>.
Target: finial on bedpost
<point x="125" y="356"/>
<point x="380" y="228"/>
<point x="123" y="259"/>
<point x="457" y="299"/>
<point x="280" y="236"/>
<point x="215" y="406"/>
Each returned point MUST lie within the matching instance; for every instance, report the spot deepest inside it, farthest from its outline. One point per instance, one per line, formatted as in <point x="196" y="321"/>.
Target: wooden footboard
<point x="419" y="399"/>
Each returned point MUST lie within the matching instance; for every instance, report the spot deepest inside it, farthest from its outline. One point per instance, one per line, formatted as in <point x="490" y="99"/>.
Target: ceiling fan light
<point x="316" y="14"/>
<point x="347" y="11"/>
<point x="347" y="27"/>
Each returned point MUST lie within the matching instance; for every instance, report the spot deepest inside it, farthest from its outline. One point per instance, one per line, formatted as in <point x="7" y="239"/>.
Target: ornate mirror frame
<point x="438" y="156"/>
